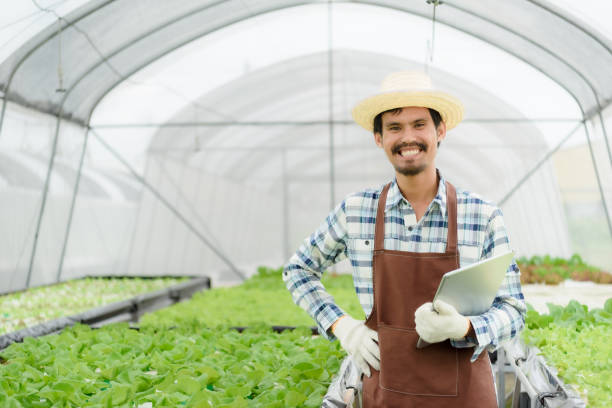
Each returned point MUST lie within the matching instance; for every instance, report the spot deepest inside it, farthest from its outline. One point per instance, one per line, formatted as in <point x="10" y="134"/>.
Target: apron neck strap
<point x="379" y="230"/>
<point x="451" y="212"/>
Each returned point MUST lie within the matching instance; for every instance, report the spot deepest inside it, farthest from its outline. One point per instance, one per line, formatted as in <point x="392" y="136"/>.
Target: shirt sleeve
<point x="302" y="274"/>
<point x="506" y="317"/>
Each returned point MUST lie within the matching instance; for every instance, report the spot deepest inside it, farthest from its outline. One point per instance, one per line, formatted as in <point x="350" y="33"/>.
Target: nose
<point x="407" y="136"/>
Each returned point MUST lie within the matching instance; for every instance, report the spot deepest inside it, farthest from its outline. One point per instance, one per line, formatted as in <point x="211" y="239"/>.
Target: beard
<point x="409" y="170"/>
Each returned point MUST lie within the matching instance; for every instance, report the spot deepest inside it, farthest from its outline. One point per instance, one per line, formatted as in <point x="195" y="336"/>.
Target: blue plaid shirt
<point x="348" y="232"/>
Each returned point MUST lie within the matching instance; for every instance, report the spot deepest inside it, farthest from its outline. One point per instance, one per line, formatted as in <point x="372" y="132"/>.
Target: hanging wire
<point x="60" y="72"/>
<point x="430" y="43"/>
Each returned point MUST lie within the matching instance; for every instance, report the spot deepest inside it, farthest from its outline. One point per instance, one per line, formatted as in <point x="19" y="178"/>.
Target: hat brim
<point x="449" y="107"/>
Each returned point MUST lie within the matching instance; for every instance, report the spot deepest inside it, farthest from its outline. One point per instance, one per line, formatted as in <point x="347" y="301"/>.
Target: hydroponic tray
<point x="128" y="310"/>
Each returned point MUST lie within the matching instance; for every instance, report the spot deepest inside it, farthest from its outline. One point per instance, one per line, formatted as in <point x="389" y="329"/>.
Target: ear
<point x="441" y="131"/>
<point x="378" y="139"/>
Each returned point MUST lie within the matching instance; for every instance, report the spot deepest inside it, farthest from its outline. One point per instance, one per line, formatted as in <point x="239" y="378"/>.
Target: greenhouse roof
<point x="99" y="50"/>
<point x="179" y="116"/>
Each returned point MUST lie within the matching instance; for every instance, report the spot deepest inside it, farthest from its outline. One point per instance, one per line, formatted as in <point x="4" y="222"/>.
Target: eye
<point x="394" y="128"/>
<point x="419" y="125"/>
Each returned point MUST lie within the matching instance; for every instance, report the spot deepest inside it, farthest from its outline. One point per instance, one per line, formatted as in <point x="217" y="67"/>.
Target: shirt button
<point x="367" y="242"/>
<point x="410" y="228"/>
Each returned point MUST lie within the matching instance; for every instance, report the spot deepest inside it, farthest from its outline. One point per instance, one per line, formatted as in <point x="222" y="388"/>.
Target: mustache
<point x="400" y="146"/>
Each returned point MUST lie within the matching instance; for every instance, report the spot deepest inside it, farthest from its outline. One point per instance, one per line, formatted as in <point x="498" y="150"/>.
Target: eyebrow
<point x="412" y="122"/>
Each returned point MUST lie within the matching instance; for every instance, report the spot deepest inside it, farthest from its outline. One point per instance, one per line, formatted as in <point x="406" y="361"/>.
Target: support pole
<point x="169" y="206"/>
<point x="605" y="134"/>
<point x="285" y="220"/>
<point x="330" y="78"/>
<point x="72" y="203"/>
<point x="44" y="196"/>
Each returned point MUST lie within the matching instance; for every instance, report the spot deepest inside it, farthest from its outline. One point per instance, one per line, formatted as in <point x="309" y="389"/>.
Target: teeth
<point x="407" y="153"/>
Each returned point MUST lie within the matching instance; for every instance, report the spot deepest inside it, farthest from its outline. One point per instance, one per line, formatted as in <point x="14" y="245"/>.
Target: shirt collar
<point x="394" y="196"/>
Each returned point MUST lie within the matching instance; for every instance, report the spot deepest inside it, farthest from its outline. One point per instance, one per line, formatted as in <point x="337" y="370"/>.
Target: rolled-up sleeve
<point x="506" y="316"/>
<point x="302" y="274"/>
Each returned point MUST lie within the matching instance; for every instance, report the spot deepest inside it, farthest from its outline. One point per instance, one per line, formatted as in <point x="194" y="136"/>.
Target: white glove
<point x="359" y="341"/>
<point x="440" y="324"/>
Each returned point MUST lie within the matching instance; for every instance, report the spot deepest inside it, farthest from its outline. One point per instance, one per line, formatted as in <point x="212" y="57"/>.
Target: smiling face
<point x="410" y="139"/>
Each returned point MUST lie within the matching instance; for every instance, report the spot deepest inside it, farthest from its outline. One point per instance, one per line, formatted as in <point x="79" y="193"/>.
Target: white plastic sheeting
<point x="210" y="144"/>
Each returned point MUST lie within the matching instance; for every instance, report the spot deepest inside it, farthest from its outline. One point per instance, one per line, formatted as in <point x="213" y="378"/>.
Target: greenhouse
<point x="176" y="179"/>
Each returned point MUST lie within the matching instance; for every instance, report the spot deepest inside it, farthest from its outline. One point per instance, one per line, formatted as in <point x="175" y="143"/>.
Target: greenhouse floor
<point x="588" y="293"/>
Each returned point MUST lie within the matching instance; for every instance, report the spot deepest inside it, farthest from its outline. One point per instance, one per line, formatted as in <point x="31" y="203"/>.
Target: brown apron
<point x="436" y="376"/>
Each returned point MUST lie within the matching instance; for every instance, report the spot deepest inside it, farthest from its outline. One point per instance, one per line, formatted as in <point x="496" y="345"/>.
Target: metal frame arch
<point x="59" y="114"/>
<point x="603" y="44"/>
<point x="569" y="21"/>
<point x="357" y="2"/>
<point x="174" y="48"/>
<point x="373" y="3"/>
<point x="557" y="57"/>
<point x="35" y="48"/>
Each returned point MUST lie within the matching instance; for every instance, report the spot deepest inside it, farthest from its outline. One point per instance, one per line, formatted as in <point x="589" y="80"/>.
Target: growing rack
<point x="129" y="310"/>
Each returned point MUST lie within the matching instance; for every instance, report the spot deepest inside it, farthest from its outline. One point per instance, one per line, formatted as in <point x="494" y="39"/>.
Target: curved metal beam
<point x="567" y="20"/>
<point x="337" y="122"/>
<point x="36" y="47"/>
<point x="596" y="38"/>
<point x="302" y="3"/>
<point x="554" y="55"/>
<point x="294" y="5"/>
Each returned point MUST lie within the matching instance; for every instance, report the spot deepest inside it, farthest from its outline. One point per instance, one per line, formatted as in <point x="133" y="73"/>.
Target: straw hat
<point x="408" y="88"/>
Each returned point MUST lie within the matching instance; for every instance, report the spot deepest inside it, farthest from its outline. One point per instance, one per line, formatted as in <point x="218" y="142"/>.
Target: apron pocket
<point x="433" y="370"/>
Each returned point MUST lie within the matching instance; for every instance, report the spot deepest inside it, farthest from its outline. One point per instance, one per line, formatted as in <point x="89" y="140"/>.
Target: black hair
<point x="435" y="116"/>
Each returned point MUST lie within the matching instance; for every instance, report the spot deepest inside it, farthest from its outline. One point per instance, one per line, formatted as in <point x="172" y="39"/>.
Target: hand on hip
<point x="360" y="342"/>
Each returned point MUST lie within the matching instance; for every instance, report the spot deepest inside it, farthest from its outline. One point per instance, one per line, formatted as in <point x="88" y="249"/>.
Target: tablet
<point x="472" y="289"/>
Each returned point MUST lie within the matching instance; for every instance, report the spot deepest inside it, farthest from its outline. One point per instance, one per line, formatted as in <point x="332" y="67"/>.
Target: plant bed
<point x="262" y="299"/>
<point x="189" y="365"/>
<point x="125" y="310"/>
<point x="575" y="341"/>
<point x="26" y="308"/>
<point x="552" y="271"/>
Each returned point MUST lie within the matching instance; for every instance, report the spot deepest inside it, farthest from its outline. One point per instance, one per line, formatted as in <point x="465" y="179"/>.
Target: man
<point x="401" y="238"/>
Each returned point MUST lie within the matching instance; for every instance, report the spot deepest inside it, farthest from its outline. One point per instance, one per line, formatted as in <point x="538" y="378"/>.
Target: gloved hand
<point x="440" y="324"/>
<point x="359" y="342"/>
